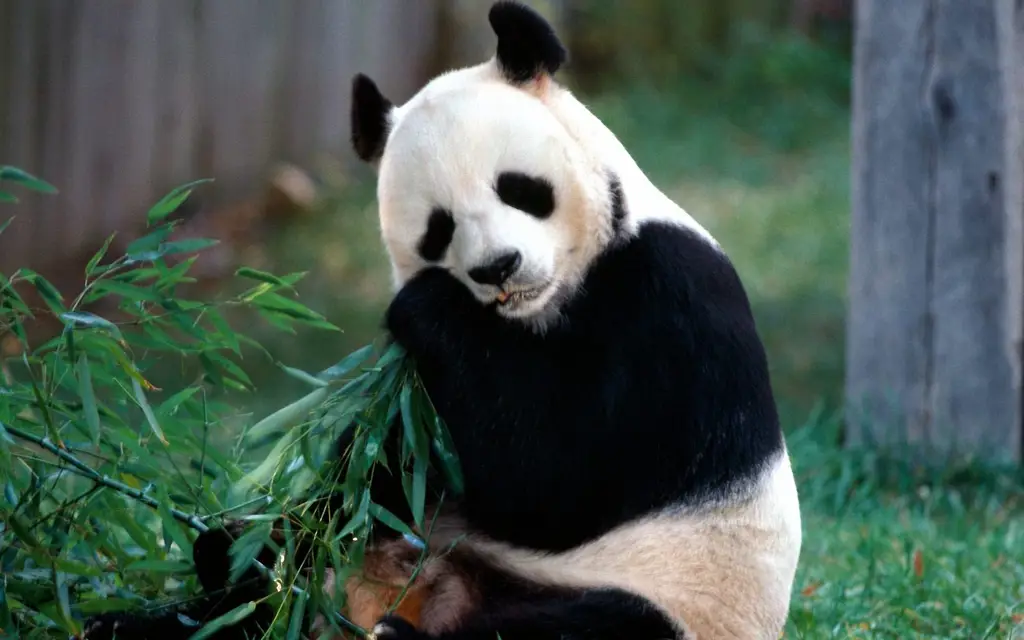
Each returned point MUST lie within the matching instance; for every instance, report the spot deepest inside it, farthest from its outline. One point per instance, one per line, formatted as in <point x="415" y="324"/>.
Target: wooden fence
<point x="116" y="101"/>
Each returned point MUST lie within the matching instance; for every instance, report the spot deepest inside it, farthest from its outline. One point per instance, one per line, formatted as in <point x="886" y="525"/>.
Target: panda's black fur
<point x="651" y="390"/>
<point x="657" y="362"/>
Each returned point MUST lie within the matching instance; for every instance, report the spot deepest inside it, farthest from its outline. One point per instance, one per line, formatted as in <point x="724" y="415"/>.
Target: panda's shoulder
<point x="667" y="263"/>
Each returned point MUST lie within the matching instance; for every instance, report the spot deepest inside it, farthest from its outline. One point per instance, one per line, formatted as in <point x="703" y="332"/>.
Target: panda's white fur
<point x="720" y="570"/>
<point x="448" y="141"/>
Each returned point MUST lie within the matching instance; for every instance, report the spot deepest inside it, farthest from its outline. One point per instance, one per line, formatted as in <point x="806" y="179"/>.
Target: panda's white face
<point x="480" y="178"/>
<point x="499" y="175"/>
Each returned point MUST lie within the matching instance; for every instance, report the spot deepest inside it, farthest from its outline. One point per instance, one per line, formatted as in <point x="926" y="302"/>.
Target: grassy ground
<point x="896" y="552"/>
<point x="890" y="551"/>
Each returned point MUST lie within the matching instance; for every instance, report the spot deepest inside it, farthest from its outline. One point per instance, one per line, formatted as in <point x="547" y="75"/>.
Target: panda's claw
<point x="102" y="627"/>
<point x="393" y="627"/>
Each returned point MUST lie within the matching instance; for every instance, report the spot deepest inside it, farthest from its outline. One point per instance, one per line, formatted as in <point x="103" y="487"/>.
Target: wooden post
<point x="936" y="294"/>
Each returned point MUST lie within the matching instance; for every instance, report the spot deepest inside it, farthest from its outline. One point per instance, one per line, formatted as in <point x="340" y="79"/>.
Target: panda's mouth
<point x="516" y="298"/>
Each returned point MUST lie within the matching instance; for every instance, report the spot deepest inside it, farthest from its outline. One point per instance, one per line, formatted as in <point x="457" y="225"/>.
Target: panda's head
<point x="487" y="173"/>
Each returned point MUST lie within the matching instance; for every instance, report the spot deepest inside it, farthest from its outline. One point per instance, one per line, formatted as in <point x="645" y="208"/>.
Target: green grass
<point x="894" y="551"/>
<point x="768" y="176"/>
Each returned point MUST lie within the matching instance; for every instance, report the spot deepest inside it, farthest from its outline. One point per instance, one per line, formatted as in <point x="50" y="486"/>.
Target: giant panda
<point x="593" y="354"/>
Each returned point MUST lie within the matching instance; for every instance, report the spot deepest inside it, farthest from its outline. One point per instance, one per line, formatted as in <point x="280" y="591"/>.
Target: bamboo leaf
<point x="189" y="245"/>
<point x="139" y="249"/>
<point x="262" y="474"/>
<point x="445" y="450"/>
<point x="123" y="289"/>
<point x="225" y="331"/>
<point x="412" y="433"/>
<point x="170" y="202"/>
<point x="5" y="455"/>
<point x="347" y="364"/>
<point x="176" y="275"/>
<point x="140" y="396"/>
<point x="392" y="354"/>
<point x="299" y="374"/>
<point x="76" y="568"/>
<point x="49" y="293"/>
<point x="94" y="261"/>
<point x="246" y="548"/>
<point x="44" y="407"/>
<point x="22" y="530"/>
<point x="86" y="319"/>
<point x="172" y="528"/>
<point x="357" y="520"/>
<point x="126" y="365"/>
<point x="6" y="619"/>
<point x="24" y="178"/>
<point x="389" y="519"/>
<point x="290" y="308"/>
<point x="260" y="276"/>
<point x="60" y="586"/>
<point x="286" y="417"/>
<point x="105" y="605"/>
<point x="170" y="406"/>
<point x="298" y="613"/>
<point x="163" y="567"/>
<point x="230" y="618"/>
<point x="85" y="390"/>
<point x="142" y="537"/>
<point x="419" y="490"/>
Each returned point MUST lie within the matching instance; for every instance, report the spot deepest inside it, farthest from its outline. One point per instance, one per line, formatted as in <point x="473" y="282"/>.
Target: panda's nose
<point x="497" y="271"/>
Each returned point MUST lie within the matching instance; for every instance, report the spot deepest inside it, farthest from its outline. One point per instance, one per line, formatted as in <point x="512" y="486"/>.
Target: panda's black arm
<point x="210" y="552"/>
<point x="480" y="369"/>
<point x="171" y="624"/>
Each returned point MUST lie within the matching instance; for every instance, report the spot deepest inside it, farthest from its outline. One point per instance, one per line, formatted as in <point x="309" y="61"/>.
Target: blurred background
<point x="737" y="108"/>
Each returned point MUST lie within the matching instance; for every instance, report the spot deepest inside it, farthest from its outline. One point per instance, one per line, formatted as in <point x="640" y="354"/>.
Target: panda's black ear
<point x="369" y="114"/>
<point x="527" y="43"/>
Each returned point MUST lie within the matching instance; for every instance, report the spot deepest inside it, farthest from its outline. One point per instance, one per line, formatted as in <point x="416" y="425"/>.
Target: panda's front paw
<point x="107" y="626"/>
<point x="393" y="627"/>
<point x="425" y="308"/>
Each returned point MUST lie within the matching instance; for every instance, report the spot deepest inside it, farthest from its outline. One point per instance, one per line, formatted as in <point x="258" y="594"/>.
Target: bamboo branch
<point x="101" y="479"/>
<point x="190" y="520"/>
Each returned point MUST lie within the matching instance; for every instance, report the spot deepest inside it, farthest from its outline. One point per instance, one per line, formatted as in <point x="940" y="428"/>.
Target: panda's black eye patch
<point x="534" y="196"/>
<point x="440" y="229"/>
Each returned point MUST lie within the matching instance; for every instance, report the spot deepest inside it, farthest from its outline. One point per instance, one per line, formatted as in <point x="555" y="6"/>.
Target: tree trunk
<point x="934" y="332"/>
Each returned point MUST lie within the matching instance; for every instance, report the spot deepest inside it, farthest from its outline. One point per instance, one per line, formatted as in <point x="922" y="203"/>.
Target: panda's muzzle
<point x="498" y="271"/>
<point x="516" y="297"/>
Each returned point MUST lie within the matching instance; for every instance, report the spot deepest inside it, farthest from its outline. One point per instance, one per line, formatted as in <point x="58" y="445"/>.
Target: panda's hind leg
<point x="210" y="552"/>
<point x="591" y="614"/>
